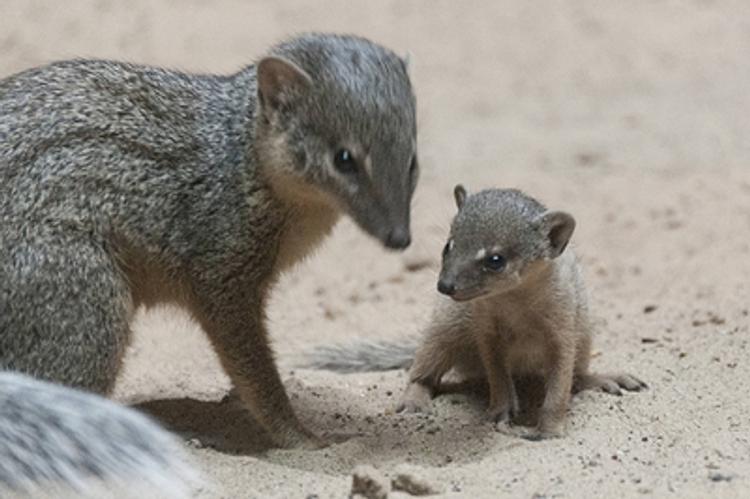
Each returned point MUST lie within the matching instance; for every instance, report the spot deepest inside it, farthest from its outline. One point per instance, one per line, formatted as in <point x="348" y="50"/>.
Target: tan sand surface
<point x="634" y="116"/>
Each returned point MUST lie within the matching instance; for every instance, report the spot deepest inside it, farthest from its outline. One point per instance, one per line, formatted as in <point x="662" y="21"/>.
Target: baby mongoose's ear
<point x="558" y="227"/>
<point x="280" y="81"/>
<point x="459" y="192"/>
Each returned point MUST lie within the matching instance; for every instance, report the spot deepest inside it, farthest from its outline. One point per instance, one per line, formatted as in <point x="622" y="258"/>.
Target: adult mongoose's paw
<point x="416" y="398"/>
<point x="300" y="438"/>
<point x="411" y="406"/>
<point x="311" y="442"/>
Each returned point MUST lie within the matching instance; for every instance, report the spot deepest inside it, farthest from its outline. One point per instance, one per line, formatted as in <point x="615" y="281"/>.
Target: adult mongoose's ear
<point x="557" y="227"/>
<point x="280" y="81"/>
<point x="459" y="192"/>
<point x="406" y="61"/>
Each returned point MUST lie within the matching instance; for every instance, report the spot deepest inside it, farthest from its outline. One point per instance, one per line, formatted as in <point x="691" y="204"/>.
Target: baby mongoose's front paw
<point x="547" y="428"/>
<point x="551" y="424"/>
<point x="503" y="407"/>
<point x="502" y="413"/>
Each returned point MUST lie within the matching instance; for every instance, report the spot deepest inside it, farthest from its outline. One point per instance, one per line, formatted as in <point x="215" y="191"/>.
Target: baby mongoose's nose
<point x="398" y="238"/>
<point x="447" y="288"/>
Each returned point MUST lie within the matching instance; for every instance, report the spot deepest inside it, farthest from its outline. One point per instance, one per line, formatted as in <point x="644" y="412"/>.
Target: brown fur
<point x="531" y="318"/>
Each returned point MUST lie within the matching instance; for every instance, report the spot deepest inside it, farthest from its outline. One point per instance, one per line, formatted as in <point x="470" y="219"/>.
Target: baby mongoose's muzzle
<point x="446" y="288"/>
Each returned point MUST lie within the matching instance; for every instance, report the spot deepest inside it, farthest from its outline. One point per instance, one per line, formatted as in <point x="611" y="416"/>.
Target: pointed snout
<point x="398" y="238"/>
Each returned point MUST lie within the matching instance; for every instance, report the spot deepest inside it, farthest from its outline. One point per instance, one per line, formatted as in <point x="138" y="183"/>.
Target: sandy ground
<point x="634" y="116"/>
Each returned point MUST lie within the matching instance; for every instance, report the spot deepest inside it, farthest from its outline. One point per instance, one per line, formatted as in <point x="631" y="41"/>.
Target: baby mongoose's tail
<point x="363" y="356"/>
<point x="60" y="442"/>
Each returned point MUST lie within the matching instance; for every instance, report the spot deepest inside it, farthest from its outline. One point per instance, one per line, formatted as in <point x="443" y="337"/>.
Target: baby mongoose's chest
<point x="523" y="337"/>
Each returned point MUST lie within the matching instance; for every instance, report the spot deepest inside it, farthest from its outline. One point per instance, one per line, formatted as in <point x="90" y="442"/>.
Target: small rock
<point x="405" y="481"/>
<point x="369" y="483"/>
<point x="588" y="158"/>
<point x="719" y="477"/>
<point x="416" y="263"/>
<point x="649" y="308"/>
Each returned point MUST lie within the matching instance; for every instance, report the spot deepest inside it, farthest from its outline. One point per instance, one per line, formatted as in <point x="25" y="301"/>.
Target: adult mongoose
<point x="124" y="185"/>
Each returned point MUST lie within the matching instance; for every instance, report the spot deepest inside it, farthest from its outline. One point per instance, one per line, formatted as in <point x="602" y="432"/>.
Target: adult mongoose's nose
<point x="447" y="288"/>
<point x="398" y="238"/>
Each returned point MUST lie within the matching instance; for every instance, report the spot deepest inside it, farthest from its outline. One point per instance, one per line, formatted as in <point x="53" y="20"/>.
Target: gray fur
<point x="57" y="440"/>
<point x="124" y="185"/>
<point x="362" y="101"/>
<point x="363" y="356"/>
<point x="502" y="219"/>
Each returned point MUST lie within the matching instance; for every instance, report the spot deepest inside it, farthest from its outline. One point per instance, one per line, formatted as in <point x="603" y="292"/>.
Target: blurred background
<point x="541" y="82"/>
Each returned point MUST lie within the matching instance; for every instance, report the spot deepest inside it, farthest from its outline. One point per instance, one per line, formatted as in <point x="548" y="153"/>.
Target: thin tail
<point x="363" y="356"/>
<point x="56" y="440"/>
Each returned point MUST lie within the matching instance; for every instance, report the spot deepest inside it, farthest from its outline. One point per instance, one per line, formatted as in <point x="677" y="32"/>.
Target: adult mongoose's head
<point x="499" y="239"/>
<point x="337" y="124"/>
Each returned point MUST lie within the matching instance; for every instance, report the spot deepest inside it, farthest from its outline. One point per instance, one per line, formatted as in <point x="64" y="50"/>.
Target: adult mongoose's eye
<point x="495" y="262"/>
<point x="447" y="248"/>
<point x="344" y="161"/>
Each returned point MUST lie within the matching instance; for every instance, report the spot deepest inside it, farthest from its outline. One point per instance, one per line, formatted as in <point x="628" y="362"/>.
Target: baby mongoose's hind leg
<point x="442" y="348"/>
<point x="610" y="383"/>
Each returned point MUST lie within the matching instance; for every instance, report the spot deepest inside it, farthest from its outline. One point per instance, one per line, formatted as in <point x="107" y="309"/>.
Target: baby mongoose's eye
<point x="495" y="263"/>
<point x="344" y="161"/>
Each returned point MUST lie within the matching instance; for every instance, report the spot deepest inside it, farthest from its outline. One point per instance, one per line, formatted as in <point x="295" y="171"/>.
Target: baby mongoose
<point x="517" y="307"/>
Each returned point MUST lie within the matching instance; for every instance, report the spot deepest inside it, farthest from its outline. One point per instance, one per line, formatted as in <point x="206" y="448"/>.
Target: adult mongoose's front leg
<point x="234" y="322"/>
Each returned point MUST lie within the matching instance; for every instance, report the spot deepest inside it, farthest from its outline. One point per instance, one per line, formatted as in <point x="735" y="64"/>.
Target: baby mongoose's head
<point x="498" y="239"/>
<point x="337" y="125"/>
